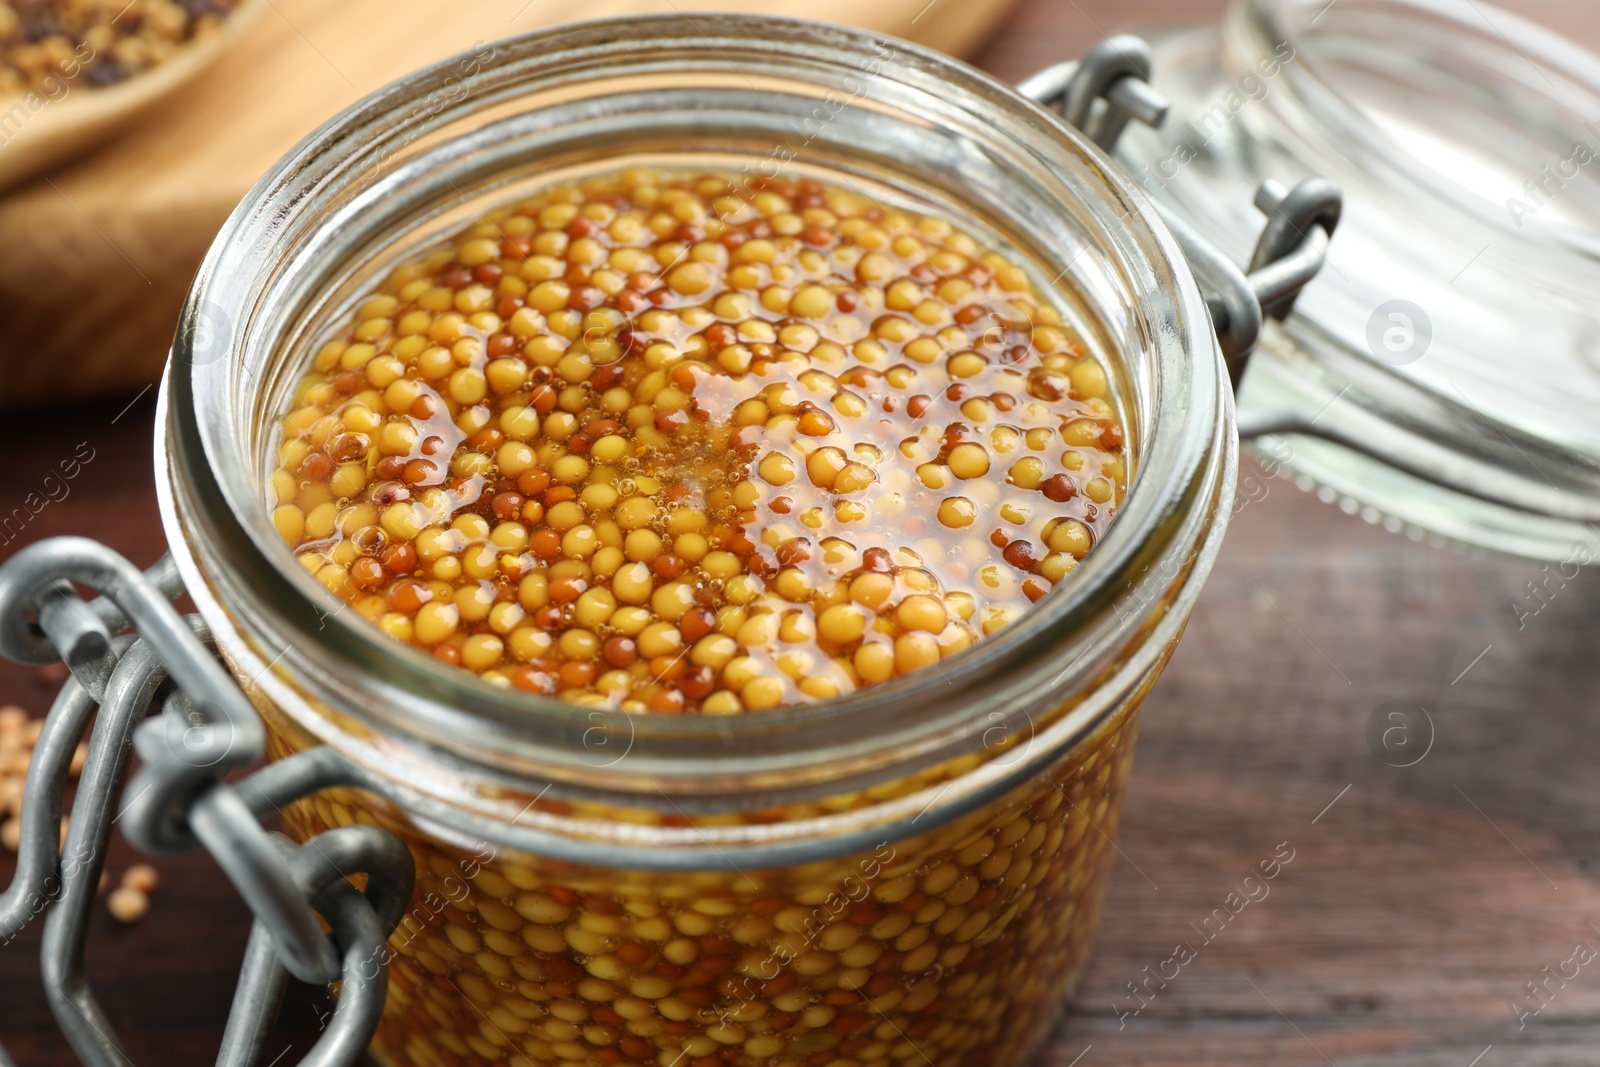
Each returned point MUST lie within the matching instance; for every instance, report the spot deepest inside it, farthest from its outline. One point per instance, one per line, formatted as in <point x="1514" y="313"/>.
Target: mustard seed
<point x="127" y="904"/>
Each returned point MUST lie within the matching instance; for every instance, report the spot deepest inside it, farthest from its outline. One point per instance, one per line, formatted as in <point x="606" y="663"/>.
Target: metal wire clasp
<point x="128" y="650"/>
<point x="1110" y="86"/>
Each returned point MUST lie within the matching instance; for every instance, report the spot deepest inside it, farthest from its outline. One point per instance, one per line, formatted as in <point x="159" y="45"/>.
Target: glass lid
<point x="1443" y="375"/>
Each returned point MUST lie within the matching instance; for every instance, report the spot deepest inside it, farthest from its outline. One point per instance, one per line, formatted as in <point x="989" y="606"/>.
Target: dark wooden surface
<point x="1420" y="900"/>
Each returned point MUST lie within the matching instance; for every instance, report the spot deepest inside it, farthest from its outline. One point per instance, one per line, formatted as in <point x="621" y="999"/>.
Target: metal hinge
<point x="1109" y="87"/>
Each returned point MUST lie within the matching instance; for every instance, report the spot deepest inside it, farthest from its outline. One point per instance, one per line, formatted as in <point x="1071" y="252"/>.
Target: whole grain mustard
<point x="690" y="444"/>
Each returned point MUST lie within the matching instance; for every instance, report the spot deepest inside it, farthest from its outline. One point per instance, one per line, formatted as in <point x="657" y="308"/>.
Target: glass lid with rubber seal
<point x="1444" y="376"/>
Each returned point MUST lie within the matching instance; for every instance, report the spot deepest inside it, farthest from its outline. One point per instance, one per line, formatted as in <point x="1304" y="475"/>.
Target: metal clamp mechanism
<point x="178" y="800"/>
<point x="1099" y="94"/>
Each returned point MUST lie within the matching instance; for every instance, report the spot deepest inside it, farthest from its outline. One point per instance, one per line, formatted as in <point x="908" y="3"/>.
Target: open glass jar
<point x="912" y="871"/>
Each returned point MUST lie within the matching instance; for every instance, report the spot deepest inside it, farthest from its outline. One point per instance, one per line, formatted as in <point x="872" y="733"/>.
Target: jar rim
<point x="1164" y="535"/>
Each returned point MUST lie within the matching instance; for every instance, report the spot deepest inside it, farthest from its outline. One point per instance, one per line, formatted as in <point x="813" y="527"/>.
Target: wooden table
<point x="1420" y="900"/>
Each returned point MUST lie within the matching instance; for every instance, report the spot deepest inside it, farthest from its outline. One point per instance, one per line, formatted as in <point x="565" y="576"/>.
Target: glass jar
<point x="1442" y="377"/>
<point x="913" y="871"/>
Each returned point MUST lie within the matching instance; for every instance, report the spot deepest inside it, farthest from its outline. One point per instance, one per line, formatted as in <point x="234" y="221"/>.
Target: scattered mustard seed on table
<point x="127" y="904"/>
<point x="141" y="876"/>
<point x="18" y="735"/>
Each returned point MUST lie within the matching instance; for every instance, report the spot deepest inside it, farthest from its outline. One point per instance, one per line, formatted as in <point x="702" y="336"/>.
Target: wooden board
<point x="97" y="256"/>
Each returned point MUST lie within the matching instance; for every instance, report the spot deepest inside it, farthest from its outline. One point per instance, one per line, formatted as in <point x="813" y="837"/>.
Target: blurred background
<point x="1425" y="902"/>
